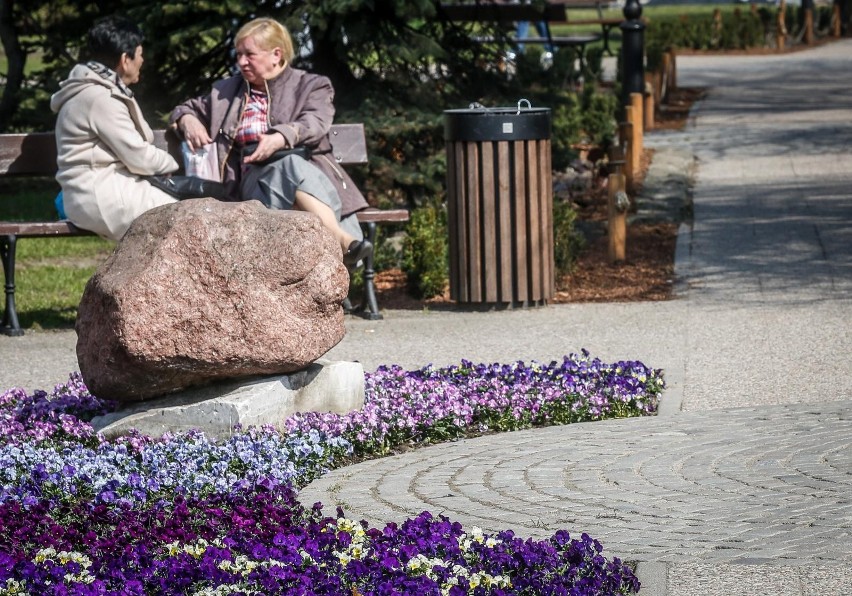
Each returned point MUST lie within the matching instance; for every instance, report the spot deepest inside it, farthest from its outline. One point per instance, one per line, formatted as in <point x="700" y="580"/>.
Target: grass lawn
<point x="35" y="59"/>
<point x="51" y="272"/>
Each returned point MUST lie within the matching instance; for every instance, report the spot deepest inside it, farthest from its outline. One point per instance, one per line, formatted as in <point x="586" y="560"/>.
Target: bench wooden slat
<point x="564" y="40"/>
<point x="581" y="4"/>
<point x="601" y="22"/>
<point x="33" y="229"/>
<point x="349" y="144"/>
<point x="554" y="11"/>
<point x="502" y="13"/>
<point x="31" y="154"/>
<point x="383" y="215"/>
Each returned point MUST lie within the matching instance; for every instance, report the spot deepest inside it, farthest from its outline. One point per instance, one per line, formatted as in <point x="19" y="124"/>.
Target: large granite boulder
<point x="201" y="291"/>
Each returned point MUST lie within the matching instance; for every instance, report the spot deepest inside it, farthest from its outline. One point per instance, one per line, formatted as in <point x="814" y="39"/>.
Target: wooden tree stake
<point x="664" y="79"/>
<point x="636" y="100"/>
<point x="618" y="206"/>
<point x="835" y="20"/>
<point x="626" y="132"/>
<point x="673" y="73"/>
<point x="809" y="26"/>
<point x="648" y="110"/>
<point x="781" y="25"/>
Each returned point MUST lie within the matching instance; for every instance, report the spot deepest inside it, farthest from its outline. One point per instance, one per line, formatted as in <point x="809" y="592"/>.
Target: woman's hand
<point x="266" y="146"/>
<point x="194" y="132"/>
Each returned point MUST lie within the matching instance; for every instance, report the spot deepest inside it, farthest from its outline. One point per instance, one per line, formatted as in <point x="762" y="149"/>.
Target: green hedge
<point x="739" y="30"/>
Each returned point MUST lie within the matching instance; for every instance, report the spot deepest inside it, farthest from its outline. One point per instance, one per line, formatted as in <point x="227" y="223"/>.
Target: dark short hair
<point x="111" y="37"/>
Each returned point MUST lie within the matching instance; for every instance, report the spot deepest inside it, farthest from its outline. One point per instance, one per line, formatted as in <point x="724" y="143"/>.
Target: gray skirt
<point x="275" y="184"/>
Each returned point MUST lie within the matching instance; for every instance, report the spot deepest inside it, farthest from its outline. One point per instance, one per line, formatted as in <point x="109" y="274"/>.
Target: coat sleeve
<point x="313" y="120"/>
<point x="115" y="128"/>
<point x="198" y="107"/>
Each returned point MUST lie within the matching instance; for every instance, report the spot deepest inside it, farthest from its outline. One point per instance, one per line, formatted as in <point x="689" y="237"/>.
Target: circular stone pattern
<point x="745" y="485"/>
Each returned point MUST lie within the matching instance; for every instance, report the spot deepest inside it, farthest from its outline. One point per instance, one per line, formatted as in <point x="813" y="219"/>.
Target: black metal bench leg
<point x="369" y="277"/>
<point x="10" y="325"/>
<point x="581" y="55"/>
<point x="606" y="47"/>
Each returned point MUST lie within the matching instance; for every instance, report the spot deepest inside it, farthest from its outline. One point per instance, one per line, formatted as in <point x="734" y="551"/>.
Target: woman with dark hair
<point x="104" y="145"/>
<point x="255" y="117"/>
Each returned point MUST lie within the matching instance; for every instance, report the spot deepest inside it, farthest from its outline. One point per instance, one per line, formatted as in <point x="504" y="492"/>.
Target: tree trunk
<point x="16" y="61"/>
<point x="325" y="60"/>
<point x="845" y="16"/>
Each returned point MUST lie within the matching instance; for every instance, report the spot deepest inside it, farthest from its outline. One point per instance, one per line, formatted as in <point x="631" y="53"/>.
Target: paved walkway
<point x="743" y="484"/>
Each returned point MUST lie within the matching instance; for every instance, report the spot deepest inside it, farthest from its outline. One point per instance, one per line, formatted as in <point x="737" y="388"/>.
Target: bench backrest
<point x="597" y="5"/>
<point x="502" y="13"/>
<point x="34" y="153"/>
<point x="581" y="4"/>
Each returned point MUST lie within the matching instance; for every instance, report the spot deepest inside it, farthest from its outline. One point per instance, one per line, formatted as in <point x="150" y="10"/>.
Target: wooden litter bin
<point x="500" y="205"/>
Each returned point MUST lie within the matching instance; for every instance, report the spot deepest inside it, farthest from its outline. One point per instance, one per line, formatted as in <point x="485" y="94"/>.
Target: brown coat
<point x="300" y="107"/>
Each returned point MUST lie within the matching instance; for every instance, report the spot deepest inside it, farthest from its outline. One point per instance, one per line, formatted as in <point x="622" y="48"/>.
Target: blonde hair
<point x="268" y="34"/>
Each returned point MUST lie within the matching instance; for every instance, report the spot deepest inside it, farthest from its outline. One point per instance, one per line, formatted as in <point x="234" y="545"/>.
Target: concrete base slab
<point x="325" y="386"/>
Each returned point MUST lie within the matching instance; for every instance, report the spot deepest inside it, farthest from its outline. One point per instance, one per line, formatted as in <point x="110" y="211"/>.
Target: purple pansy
<point x="185" y="514"/>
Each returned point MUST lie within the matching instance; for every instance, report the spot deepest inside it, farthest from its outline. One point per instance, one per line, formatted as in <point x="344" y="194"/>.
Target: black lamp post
<point x="632" y="50"/>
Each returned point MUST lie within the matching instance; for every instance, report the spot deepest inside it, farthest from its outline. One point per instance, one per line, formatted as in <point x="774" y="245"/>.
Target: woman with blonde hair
<point x="270" y="126"/>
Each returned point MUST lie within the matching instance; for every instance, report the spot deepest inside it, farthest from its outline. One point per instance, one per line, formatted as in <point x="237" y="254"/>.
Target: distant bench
<point x="34" y="154"/>
<point x="607" y="24"/>
<point x="554" y="12"/>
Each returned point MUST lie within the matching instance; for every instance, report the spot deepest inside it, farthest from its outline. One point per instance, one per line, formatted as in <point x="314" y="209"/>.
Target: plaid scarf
<point x="110" y="75"/>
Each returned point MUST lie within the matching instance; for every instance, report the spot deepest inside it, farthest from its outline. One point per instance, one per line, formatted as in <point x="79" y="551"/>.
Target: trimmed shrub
<point x="426" y="250"/>
<point x="567" y="242"/>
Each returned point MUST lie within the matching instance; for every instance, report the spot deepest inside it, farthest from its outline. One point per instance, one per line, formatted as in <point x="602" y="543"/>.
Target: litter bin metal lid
<point x="497" y="124"/>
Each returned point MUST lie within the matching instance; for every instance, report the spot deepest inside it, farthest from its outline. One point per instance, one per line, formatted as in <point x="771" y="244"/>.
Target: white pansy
<point x="83" y="577"/>
<point x="63" y="557"/>
<point x="224" y="590"/>
<point x="306" y="557"/>
<point x="14" y="587"/>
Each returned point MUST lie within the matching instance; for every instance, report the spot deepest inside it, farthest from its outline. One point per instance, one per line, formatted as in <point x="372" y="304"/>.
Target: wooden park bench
<point x="553" y="12"/>
<point x="34" y="154"/>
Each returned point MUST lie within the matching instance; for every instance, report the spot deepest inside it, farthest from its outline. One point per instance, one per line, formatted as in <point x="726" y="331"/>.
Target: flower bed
<point x="187" y="515"/>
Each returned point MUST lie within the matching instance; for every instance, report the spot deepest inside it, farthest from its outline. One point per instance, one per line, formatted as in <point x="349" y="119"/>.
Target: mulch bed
<point x="646" y="274"/>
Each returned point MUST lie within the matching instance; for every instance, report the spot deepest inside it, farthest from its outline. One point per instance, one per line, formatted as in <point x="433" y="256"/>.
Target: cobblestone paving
<point x="747" y="485"/>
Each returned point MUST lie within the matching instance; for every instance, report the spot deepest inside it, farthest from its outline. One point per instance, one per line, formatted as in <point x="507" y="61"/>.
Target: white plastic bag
<point x="203" y="162"/>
